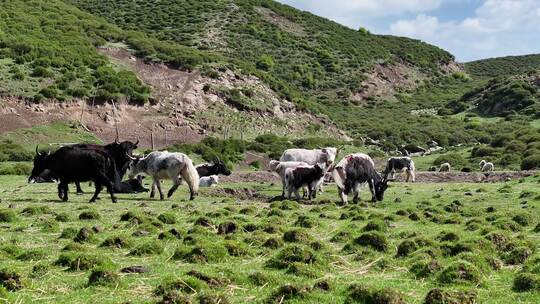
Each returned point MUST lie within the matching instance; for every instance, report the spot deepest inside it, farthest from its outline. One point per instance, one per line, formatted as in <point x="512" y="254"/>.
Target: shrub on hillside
<point x="530" y="163"/>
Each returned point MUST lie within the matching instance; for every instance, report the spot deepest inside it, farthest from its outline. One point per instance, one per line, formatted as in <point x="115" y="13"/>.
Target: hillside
<point x="503" y="66"/>
<point x="504" y="95"/>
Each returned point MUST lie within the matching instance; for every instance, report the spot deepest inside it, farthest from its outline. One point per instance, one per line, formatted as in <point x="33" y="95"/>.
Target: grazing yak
<point x="208" y="181"/>
<point x="445" y="167"/>
<point x="71" y="164"/>
<point x="353" y="171"/>
<point x="280" y="167"/>
<point x="166" y="165"/>
<point x="400" y="164"/>
<point x="326" y="156"/>
<point x="488" y="167"/>
<point x="309" y="176"/>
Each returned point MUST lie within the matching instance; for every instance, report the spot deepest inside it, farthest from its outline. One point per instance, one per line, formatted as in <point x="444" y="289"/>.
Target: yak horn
<point x="37" y="150"/>
<point x="116" y="141"/>
<point x="131" y="157"/>
<point x="137" y="141"/>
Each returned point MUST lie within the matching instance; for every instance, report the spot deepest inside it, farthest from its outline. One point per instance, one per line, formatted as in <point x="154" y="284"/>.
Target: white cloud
<point x="349" y="12"/>
<point x="494" y="29"/>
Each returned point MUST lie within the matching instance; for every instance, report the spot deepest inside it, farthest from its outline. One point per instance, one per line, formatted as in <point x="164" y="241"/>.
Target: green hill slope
<point x="503" y="66"/>
<point x="294" y="51"/>
<point x="47" y="50"/>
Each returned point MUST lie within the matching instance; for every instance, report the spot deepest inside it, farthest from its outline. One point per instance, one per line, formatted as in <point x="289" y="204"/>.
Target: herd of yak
<point x="107" y="165"/>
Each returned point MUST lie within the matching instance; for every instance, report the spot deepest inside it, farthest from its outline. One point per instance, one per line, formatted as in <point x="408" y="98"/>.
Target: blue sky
<point x="469" y="29"/>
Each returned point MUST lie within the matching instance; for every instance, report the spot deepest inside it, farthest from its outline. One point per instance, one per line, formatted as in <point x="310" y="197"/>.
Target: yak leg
<point x="410" y="174"/>
<point x="153" y="192"/>
<point x="60" y="191"/>
<point x="64" y="188"/>
<point x="99" y="187"/>
<point x="372" y="189"/>
<point x="283" y="187"/>
<point x="342" y="195"/>
<point x="158" y="185"/>
<point x="110" y="188"/>
<point x="356" y="192"/>
<point x="79" y="190"/>
<point x="176" y="180"/>
<point x="297" y="194"/>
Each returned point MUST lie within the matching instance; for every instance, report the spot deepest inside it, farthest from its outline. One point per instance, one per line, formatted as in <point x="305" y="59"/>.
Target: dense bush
<point x="14" y="152"/>
<point x="531" y="162"/>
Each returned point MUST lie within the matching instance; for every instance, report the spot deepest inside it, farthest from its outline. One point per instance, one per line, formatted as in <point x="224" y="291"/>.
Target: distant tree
<point x="266" y="62"/>
<point x="364" y="31"/>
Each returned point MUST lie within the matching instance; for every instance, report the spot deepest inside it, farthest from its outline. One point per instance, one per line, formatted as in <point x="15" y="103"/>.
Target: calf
<point x="303" y="176"/>
<point x="400" y="164"/>
<point x="487" y="167"/>
<point x="482" y="163"/>
<point x="208" y="181"/>
<point x="326" y="156"/>
<point x="280" y="167"/>
<point x="445" y="167"/>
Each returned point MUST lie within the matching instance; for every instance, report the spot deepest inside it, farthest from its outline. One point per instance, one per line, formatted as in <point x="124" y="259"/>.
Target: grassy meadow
<point x="468" y="242"/>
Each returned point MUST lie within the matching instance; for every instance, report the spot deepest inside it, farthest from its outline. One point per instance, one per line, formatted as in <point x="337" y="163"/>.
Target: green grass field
<point x="469" y="240"/>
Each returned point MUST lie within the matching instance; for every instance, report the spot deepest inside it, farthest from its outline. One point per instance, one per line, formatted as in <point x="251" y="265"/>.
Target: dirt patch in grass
<point x="240" y="193"/>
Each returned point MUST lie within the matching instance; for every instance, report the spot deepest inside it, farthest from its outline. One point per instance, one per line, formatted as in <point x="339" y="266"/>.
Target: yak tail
<point x="338" y="174"/>
<point x="190" y="174"/>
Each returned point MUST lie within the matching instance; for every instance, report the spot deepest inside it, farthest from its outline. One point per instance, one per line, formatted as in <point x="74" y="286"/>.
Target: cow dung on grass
<point x="227" y="227"/>
<point x="439" y="296"/>
<point x="85" y="235"/>
<point x="526" y="282"/>
<point x="78" y="261"/>
<point x="7" y="216"/>
<point x="147" y="248"/>
<point x="363" y="294"/>
<point x="167" y="218"/>
<point x="63" y="217"/>
<point x="206" y="298"/>
<point x="102" y="277"/>
<point x="89" y="215"/>
<point x="10" y="280"/>
<point x="172" y="234"/>
<point x="374" y="240"/>
<point x="117" y="242"/>
<point x="298" y="235"/>
<point x="291" y="254"/>
<point x="204" y="252"/>
<point x="287" y="292"/>
<point x="460" y="272"/>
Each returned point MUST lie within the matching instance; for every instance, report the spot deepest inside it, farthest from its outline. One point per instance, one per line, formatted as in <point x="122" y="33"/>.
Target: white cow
<point x="445" y="167"/>
<point x="208" y="181"/>
<point x="488" y="167"/>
